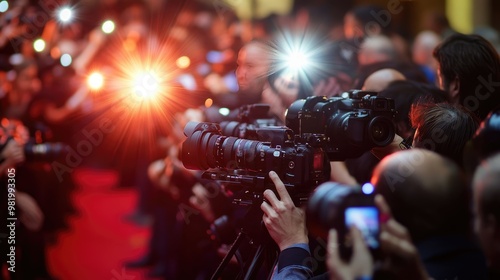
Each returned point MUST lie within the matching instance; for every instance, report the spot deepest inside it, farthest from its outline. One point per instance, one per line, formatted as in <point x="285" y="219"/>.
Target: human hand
<point x="13" y="153"/>
<point x="360" y="264"/>
<point x="200" y="201"/>
<point x="285" y="223"/>
<point x="395" y="241"/>
<point x="31" y="215"/>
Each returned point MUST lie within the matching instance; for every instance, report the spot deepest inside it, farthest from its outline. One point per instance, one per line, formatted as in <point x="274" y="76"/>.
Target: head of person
<point x="425" y="192"/>
<point x="405" y="94"/>
<point x="486" y="192"/>
<point x="381" y="79"/>
<point x="376" y="49"/>
<point x="469" y="70"/>
<point x="363" y="21"/>
<point x="443" y="128"/>
<point x="254" y="60"/>
<point x="423" y="48"/>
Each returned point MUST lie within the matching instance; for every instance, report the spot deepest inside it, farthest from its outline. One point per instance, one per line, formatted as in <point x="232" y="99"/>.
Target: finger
<point x="383" y="207"/>
<point x="397" y="229"/>
<point x="271" y="198"/>
<point x="267" y="209"/>
<point x="333" y="258"/>
<point x="396" y="246"/>
<point x="358" y="240"/>
<point x="280" y="188"/>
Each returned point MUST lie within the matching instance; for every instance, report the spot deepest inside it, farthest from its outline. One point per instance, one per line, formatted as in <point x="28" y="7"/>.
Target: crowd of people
<point x="114" y="84"/>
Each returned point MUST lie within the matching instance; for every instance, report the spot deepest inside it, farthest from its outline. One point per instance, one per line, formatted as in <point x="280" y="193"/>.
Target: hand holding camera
<point x="284" y="221"/>
<point x="12" y="153"/>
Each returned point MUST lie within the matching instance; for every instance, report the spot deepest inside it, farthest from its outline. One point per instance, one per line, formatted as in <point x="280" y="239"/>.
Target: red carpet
<point x="99" y="240"/>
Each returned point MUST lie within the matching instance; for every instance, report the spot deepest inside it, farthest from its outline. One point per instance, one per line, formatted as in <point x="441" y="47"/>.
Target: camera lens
<point x="325" y="206"/>
<point x="381" y="131"/>
<point x="205" y="148"/>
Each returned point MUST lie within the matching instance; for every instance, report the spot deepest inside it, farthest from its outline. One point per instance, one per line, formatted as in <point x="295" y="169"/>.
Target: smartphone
<point x="366" y="219"/>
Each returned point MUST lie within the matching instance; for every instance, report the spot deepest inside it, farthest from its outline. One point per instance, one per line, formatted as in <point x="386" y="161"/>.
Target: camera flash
<point x="108" y="26"/>
<point x="65" y="14"/>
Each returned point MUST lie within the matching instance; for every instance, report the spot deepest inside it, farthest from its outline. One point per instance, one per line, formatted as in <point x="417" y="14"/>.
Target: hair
<point x="407" y="93"/>
<point x="364" y="14"/>
<point x="444" y="128"/>
<point x="467" y="58"/>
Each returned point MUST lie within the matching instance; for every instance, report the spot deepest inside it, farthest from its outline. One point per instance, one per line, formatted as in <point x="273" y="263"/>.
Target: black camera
<point x="350" y="125"/>
<point x="45" y="151"/>
<point x="333" y="205"/>
<point x="300" y="165"/>
<point x="250" y="118"/>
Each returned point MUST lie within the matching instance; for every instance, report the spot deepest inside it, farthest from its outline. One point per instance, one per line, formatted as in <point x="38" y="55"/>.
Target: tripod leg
<point x="228" y="256"/>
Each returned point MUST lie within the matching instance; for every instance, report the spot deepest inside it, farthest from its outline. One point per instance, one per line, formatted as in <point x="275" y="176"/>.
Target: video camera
<point x="250" y="118"/>
<point x="337" y="127"/>
<point x="34" y="151"/>
<point x="301" y="166"/>
<point x="351" y="125"/>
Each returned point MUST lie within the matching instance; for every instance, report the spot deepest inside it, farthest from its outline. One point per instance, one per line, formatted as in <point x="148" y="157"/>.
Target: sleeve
<point x="294" y="263"/>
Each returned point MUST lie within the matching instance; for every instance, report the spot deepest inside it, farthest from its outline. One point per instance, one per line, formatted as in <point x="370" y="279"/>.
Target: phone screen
<point x="365" y="218"/>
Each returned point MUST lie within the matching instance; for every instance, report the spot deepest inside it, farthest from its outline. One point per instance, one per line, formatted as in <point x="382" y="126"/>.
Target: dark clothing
<point x="452" y="257"/>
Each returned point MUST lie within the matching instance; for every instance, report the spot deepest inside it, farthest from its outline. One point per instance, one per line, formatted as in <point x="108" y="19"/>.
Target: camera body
<point x="351" y="126"/>
<point x="250" y="118"/>
<point x="300" y="165"/>
<point x="337" y="206"/>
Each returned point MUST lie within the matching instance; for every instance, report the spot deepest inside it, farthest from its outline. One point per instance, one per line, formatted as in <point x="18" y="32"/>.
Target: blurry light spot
<point x="298" y="61"/>
<point x="129" y="45"/>
<point x="66" y="60"/>
<point x="65" y="14"/>
<point x="367" y="188"/>
<point x="146" y="85"/>
<point x="345" y="95"/>
<point x="209" y="102"/>
<point x="215" y="57"/>
<point x="4" y="6"/>
<point x="108" y="26"/>
<point x="39" y="45"/>
<point x="187" y="81"/>
<point x="95" y="81"/>
<point x="231" y="82"/>
<point x="203" y="69"/>
<point x="16" y="59"/>
<point x="55" y="52"/>
<point x="183" y="62"/>
<point x="224" y="111"/>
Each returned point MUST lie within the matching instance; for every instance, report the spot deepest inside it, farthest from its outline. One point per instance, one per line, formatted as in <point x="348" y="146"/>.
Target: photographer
<point x="469" y="71"/>
<point x="286" y="225"/>
<point x="427" y="195"/>
<point x="30" y="215"/>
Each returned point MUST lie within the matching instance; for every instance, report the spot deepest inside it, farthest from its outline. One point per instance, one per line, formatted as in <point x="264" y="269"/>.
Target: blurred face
<point x="253" y="68"/>
<point x="352" y="28"/>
